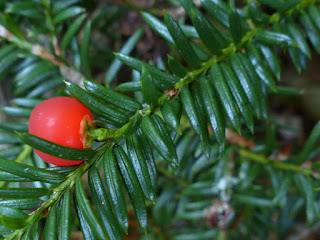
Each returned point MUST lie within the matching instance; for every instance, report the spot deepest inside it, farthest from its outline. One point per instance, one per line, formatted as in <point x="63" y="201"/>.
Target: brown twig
<point x="35" y="49"/>
<point x="234" y="138"/>
<point x="43" y="53"/>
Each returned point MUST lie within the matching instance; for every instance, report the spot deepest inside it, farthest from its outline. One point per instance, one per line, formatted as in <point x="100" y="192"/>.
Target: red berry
<point x="62" y="120"/>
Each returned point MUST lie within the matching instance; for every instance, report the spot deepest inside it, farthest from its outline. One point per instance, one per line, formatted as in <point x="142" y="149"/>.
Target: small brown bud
<point x="219" y="214"/>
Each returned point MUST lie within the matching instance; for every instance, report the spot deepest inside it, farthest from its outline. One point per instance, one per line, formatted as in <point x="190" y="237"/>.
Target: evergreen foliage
<point x="164" y="156"/>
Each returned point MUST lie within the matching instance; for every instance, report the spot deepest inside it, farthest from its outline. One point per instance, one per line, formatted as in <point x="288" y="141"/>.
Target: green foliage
<point x="164" y="152"/>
